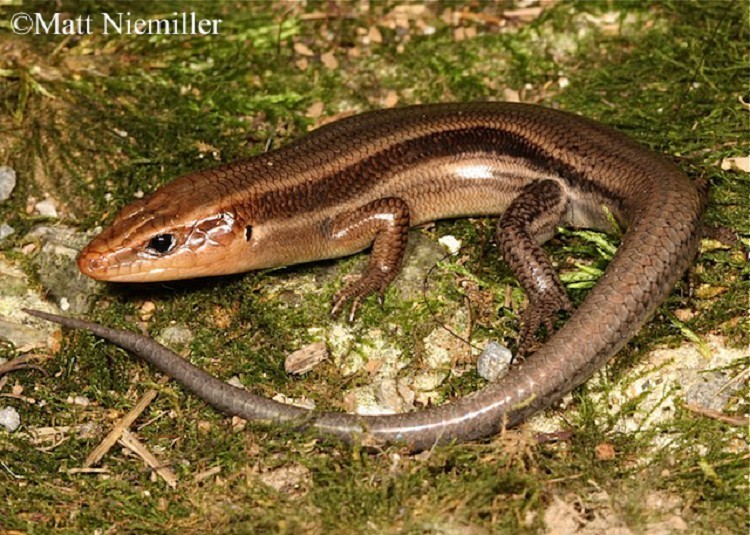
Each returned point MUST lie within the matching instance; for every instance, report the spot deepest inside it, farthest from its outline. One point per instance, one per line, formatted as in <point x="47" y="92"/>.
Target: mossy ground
<point x="92" y="120"/>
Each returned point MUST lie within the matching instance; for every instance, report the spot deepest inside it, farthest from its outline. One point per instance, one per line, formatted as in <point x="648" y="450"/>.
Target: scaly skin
<point x="364" y="181"/>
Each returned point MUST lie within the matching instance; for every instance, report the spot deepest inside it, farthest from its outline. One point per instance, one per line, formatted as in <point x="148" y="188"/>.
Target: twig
<point x="716" y="415"/>
<point x="101" y="450"/>
<point x="136" y="446"/>
<point x="22" y="362"/>
<point x="206" y="474"/>
<point x="16" y="476"/>
<point x="88" y="470"/>
<point x="27" y="399"/>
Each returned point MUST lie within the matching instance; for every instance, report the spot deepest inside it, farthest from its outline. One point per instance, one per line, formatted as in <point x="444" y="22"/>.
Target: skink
<point x="364" y="181"/>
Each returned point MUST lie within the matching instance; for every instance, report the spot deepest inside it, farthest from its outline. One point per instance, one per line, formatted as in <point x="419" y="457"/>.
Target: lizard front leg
<point x="387" y="222"/>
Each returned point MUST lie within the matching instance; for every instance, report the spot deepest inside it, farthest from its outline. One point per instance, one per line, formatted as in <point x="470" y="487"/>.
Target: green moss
<point x="129" y="113"/>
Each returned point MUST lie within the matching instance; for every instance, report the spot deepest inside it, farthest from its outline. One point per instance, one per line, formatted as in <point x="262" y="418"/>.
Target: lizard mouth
<point x="93" y="260"/>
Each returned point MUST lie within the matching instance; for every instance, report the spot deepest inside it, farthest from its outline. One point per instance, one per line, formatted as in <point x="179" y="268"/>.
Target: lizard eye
<point x="161" y="244"/>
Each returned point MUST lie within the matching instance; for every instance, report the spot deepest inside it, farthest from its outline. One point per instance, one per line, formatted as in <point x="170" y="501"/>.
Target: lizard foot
<point x="538" y="313"/>
<point x="355" y="292"/>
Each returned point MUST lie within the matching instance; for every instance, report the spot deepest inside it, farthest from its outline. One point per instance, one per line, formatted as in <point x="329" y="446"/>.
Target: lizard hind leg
<point x="528" y="222"/>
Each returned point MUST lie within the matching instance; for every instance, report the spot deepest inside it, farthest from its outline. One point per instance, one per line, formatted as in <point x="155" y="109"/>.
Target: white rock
<point x="46" y="208"/>
<point x="235" y="381"/>
<point x="451" y="244"/>
<point x="494" y="361"/>
<point x="303" y="402"/>
<point x="10" y="419"/>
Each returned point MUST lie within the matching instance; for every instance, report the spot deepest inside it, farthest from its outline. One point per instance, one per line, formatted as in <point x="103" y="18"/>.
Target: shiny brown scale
<point x="363" y="182"/>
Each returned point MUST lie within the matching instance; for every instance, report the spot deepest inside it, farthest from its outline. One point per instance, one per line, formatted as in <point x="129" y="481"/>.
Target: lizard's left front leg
<point x="387" y="222"/>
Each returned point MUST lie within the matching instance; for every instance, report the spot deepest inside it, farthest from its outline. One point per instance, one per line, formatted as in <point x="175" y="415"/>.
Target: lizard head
<point x="177" y="232"/>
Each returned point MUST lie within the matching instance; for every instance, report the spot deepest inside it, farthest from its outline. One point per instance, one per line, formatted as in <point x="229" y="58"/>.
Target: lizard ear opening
<point x="248" y="232"/>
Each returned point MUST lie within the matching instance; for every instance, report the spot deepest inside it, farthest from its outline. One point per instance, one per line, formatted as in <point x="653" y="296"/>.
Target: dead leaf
<point x="739" y="163"/>
<point x="315" y="110"/>
<point x="482" y="18"/>
<point x="374" y="35"/>
<point x="391" y="99"/>
<point x="605" y="451"/>
<point x="207" y="148"/>
<point x="238" y="424"/>
<point x="293" y="480"/>
<point x="706" y="291"/>
<point x="147" y="310"/>
<point x="305" y="359"/>
<point x="303" y="50"/>
<point x="511" y="95"/>
<point x="526" y="14"/>
<point x="373" y="365"/>
<point x="413" y="11"/>
<point x="684" y="314"/>
<point x="329" y="60"/>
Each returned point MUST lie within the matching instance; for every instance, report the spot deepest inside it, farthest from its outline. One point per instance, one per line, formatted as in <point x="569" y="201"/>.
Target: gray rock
<point x="10" y="419"/>
<point x="7" y="182"/>
<point x="57" y="268"/>
<point x="13" y="283"/>
<point x="176" y="337"/>
<point x="710" y="391"/>
<point x="422" y="253"/>
<point x="5" y="231"/>
<point x="494" y="361"/>
<point x="15" y="294"/>
<point x="21" y="335"/>
<point x="381" y="397"/>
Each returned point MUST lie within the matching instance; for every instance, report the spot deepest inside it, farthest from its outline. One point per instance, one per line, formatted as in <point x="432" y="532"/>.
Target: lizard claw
<point x="538" y="313"/>
<point x="355" y="292"/>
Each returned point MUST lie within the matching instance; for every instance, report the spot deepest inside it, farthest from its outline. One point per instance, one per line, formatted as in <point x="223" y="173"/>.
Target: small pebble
<point x="302" y="402"/>
<point x="7" y="182"/>
<point x="10" y="419"/>
<point x="83" y="401"/>
<point x="235" y="381"/>
<point x="176" y="336"/>
<point x="5" y="231"/>
<point x="451" y="244"/>
<point x="494" y="361"/>
<point x="46" y="208"/>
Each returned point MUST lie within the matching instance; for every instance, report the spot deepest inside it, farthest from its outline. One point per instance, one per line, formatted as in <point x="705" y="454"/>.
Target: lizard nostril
<point x="91" y="264"/>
